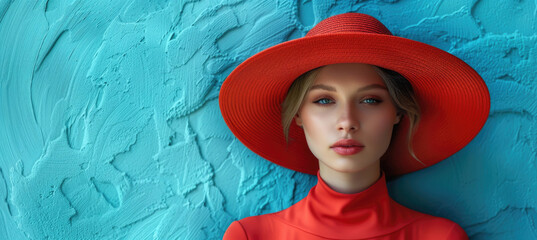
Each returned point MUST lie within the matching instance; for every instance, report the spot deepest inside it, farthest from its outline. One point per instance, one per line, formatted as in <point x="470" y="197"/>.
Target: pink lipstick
<point x="347" y="147"/>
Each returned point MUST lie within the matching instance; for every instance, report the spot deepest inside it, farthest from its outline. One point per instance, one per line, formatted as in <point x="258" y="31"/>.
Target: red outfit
<point x="327" y="214"/>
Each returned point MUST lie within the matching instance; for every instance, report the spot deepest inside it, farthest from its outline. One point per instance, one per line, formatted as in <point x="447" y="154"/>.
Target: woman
<point x="354" y="105"/>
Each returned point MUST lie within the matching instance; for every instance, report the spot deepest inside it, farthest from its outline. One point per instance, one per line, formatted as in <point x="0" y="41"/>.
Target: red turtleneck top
<point x="327" y="214"/>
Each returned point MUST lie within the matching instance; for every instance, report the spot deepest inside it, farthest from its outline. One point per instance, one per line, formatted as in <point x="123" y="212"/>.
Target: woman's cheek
<point x="382" y="129"/>
<point x="317" y="124"/>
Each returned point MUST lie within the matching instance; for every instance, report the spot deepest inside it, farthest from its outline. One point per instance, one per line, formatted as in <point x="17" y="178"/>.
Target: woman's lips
<point x="347" y="150"/>
<point x="347" y="147"/>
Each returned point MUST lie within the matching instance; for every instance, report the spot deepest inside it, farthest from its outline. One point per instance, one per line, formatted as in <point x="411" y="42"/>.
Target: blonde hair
<point x="398" y="86"/>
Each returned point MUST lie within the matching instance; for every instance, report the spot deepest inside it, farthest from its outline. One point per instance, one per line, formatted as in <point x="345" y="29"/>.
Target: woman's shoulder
<point x="256" y="220"/>
<point x="235" y="231"/>
<point x="427" y="226"/>
<point x="249" y="226"/>
<point x="420" y="225"/>
<point x="431" y="227"/>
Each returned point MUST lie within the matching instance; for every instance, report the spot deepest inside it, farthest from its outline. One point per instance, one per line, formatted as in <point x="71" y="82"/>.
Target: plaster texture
<point x="110" y="126"/>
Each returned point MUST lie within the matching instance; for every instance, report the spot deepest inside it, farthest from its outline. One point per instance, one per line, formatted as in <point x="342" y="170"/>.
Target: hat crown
<point x="349" y="23"/>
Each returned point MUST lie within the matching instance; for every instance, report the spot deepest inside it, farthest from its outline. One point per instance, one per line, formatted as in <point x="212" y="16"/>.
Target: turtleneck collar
<point x="332" y="214"/>
<point x="343" y="203"/>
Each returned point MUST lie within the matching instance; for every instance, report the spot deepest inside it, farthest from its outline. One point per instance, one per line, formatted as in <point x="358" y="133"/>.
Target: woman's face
<point x="348" y="102"/>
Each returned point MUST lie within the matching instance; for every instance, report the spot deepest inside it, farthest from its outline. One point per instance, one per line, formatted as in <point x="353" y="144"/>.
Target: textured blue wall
<point x="110" y="127"/>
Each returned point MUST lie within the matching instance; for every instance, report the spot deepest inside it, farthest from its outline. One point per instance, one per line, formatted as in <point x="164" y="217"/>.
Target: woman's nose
<point x="348" y="119"/>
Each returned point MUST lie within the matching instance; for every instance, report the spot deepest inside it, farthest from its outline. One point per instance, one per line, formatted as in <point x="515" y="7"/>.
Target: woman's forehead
<point x="348" y="73"/>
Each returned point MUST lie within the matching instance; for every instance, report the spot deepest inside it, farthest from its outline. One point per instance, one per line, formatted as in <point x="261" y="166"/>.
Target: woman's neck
<point x="349" y="182"/>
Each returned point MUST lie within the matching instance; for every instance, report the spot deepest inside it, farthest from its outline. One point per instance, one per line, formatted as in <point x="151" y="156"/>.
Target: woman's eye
<point x="323" y="101"/>
<point x="371" y="101"/>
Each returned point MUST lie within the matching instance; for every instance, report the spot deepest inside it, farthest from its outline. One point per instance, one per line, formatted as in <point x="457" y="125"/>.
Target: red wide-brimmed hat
<point x="453" y="98"/>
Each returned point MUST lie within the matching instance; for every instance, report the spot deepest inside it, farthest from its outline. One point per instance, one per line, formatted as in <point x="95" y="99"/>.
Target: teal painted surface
<point x="110" y="127"/>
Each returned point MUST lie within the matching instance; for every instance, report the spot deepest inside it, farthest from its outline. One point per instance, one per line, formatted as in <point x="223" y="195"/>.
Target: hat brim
<point x="453" y="98"/>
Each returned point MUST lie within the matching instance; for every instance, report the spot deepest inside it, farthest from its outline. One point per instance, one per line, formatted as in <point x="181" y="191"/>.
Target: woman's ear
<point x="398" y="118"/>
<point x="298" y="120"/>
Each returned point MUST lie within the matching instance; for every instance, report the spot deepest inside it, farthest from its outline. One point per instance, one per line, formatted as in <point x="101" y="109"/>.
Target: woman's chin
<point x="349" y="164"/>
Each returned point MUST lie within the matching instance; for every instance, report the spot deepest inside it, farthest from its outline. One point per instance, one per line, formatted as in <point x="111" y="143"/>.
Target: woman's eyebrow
<point x="332" y="89"/>
<point x="323" y="87"/>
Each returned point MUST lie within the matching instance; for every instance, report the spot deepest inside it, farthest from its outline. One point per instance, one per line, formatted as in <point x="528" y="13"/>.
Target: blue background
<point x="110" y="126"/>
